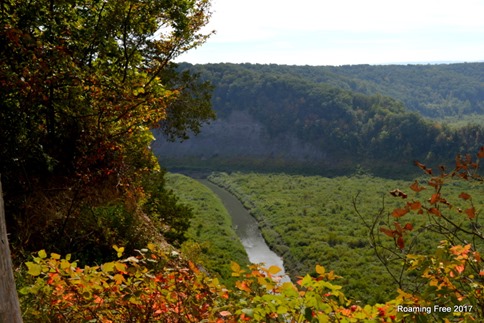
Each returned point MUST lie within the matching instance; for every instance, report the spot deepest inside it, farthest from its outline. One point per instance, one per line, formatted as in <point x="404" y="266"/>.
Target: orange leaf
<point x="414" y="205"/>
<point x="119" y="279"/>
<point x="459" y="268"/>
<point x="435" y="211"/>
<point x="416" y="188"/>
<point x="480" y="154"/>
<point x="399" y="212"/>
<point x="471" y="212"/>
<point x="464" y="196"/>
<point x="242" y="286"/>
<point x="435" y="198"/>
<point x="477" y="256"/>
<point x="388" y="232"/>
<point x="460" y="250"/>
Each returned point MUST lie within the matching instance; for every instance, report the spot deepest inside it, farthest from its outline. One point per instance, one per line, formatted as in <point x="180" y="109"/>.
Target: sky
<point x="342" y="32"/>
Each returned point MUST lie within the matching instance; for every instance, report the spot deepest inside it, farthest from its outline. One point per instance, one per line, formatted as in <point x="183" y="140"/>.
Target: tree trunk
<point x="9" y="305"/>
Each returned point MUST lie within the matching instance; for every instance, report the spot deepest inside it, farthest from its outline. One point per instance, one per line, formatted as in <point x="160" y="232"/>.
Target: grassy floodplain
<point x="212" y="241"/>
<point x="311" y="220"/>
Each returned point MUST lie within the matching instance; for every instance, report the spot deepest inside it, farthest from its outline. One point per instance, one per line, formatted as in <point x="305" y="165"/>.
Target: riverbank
<point x="212" y="241"/>
<point x="247" y="229"/>
<point x="221" y="227"/>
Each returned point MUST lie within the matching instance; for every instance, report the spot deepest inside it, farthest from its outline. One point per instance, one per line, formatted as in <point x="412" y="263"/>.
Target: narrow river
<point x="247" y="229"/>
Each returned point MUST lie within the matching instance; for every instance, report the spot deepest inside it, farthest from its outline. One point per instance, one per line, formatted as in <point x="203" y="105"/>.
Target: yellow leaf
<point x="120" y="267"/>
<point x="119" y="279"/>
<point x="108" y="267"/>
<point x="65" y="264"/>
<point x="34" y="269"/>
<point x="320" y="269"/>
<point x="55" y="256"/>
<point x="274" y="270"/>
<point x="235" y="267"/>
<point x="42" y="254"/>
<point x="119" y="250"/>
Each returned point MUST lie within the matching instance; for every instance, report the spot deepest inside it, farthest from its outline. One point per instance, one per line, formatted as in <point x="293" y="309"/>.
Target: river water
<point x="247" y="229"/>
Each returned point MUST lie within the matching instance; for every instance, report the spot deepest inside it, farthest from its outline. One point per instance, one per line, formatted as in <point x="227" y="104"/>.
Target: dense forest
<point x="437" y="90"/>
<point x="345" y="116"/>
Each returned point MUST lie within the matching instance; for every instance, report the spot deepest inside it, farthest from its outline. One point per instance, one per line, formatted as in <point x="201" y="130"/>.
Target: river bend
<point x="247" y="229"/>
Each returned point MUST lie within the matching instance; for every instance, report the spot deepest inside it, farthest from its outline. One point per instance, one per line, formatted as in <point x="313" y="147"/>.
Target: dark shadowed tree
<point x="9" y="305"/>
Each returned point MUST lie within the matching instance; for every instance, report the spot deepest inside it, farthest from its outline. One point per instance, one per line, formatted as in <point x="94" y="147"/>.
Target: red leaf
<point x="420" y="165"/>
<point x="400" y="243"/>
<point x="480" y="154"/>
<point x="458" y="163"/>
<point x="435" y="211"/>
<point x="471" y="212"/>
<point x="408" y="227"/>
<point x="435" y="183"/>
<point x="464" y="196"/>
<point x="416" y="188"/>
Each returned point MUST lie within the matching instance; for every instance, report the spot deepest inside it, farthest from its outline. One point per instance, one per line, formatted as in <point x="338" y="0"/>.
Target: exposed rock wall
<point x="237" y="136"/>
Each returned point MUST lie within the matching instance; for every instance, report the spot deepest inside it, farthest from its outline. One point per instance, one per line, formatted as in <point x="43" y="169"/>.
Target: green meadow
<point x="311" y="220"/>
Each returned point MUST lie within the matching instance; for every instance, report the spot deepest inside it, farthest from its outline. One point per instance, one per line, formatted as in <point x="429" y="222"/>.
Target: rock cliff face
<point x="235" y="140"/>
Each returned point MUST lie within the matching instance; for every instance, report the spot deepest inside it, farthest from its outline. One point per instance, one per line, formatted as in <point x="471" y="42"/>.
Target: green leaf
<point x="307" y="280"/>
<point x="25" y="291"/>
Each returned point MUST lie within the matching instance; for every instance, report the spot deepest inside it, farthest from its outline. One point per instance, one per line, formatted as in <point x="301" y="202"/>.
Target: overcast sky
<point x="338" y="32"/>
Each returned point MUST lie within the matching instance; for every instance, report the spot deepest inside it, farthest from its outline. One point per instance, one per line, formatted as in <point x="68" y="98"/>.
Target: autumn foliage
<point x="157" y="285"/>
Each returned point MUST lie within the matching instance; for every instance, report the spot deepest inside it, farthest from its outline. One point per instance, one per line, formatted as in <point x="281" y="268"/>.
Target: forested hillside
<point x="332" y="119"/>
<point x="435" y="91"/>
